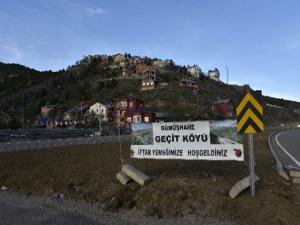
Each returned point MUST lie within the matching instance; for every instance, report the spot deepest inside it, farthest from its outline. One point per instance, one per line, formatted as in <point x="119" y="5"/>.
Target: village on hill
<point x="124" y="111"/>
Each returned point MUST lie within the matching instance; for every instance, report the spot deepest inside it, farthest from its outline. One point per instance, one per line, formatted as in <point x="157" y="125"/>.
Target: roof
<point x="99" y="103"/>
<point x="43" y="120"/>
<point x="78" y="109"/>
<point x="127" y="98"/>
<point x="189" y="81"/>
<point x="222" y="101"/>
<point x="215" y="70"/>
<point x="164" y="114"/>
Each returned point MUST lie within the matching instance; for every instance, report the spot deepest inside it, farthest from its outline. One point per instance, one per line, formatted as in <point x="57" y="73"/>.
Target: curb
<point x="279" y="165"/>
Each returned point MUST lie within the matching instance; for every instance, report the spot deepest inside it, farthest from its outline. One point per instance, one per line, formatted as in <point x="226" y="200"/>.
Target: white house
<point x="194" y="70"/>
<point x="99" y="110"/>
<point x="214" y="74"/>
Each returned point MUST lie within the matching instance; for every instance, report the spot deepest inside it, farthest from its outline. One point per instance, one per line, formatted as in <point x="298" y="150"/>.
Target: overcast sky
<point x="259" y="40"/>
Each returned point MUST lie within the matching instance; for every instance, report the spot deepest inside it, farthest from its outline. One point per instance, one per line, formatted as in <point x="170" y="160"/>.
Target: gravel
<point x="18" y="209"/>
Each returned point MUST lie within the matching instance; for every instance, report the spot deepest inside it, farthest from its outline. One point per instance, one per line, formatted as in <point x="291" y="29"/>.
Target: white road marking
<point x="292" y="157"/>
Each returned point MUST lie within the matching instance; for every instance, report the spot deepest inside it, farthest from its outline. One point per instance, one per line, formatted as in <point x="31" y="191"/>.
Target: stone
<point x="135" y="174"/>
<point x="123" y="178"/>
<point x="240" y="186"/>
<point x="294" y="173"/>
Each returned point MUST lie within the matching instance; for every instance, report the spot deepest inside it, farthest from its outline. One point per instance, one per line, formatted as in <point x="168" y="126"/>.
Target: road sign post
<point x="251" y="165"/>
<point x="250" y="120"/>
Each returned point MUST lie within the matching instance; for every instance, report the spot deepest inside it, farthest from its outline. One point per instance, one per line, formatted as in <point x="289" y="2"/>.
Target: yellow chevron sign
<point x="250" y="114"/>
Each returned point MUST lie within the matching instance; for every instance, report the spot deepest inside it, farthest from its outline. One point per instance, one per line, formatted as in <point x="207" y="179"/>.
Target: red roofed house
<point x="186" y="83"/>
<point x="130" y="110"/>
<point x="223" y="107"/>
<point x="149" y="79"/>
<point x="127" y="110"/>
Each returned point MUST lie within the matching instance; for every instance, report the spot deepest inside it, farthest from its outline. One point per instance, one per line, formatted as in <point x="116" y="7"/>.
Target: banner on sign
<point x="198" y="140"/>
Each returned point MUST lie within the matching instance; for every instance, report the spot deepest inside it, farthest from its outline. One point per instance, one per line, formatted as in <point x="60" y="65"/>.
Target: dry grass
<point x="179" y="187"/>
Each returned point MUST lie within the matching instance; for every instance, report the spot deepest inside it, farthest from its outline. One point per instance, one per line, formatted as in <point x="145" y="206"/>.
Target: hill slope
<point x="23" y="91"/>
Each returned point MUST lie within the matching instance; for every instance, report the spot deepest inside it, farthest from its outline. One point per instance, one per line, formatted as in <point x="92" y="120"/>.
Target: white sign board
<point x="199" y="140"/>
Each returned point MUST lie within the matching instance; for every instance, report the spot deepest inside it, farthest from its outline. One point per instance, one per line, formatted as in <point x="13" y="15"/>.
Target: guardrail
<point x="32" y="134"/>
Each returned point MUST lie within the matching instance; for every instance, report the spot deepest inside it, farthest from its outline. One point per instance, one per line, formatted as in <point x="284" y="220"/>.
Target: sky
<point x="258" y="40"/>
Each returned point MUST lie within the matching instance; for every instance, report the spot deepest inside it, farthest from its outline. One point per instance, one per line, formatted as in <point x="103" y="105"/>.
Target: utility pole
<point x="227" y="74"/>
<point x="100" y="126"/>
<point x="22" y="122"/>
<point x="81" y="110"/>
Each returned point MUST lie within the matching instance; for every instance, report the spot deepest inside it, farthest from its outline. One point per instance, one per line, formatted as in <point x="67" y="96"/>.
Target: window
<point x="129" y="119"/>
<point x="130" y="104"/>
<point x="137" y="119"/>
<point x="123" y="104"/>
<point x="146" y="119"/>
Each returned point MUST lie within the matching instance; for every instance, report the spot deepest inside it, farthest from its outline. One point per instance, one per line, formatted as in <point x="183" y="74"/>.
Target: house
<point x="186" y="83"/>
<point x="214" y="74"/>
<point x="130" y="110"/>
<point x="223" y="108"/>
<point x="148" y="85"/>
<point x="148" y="117"/>
<point x="127" y="69"/>
<point x="163" y="84"/>
<point x="159" y="64"/>
<point x="141" y="68"/>
<point x="135" y="60"/>
<point x="127" y="110"/>
<point x="149" y="79"/>
<point x="103" y="58"/>
<point x="42" y="122"/>
<point x="164" y="116"/>
<point x="99" y="110"/>
<point x="119" y="58"/>
<point x="194" y="70"/>
<point x="274" y="106"/>
<point x="77" y="113"/>
<point x="46" y="109"/>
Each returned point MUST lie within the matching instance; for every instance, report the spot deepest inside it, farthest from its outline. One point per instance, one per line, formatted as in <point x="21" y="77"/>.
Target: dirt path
<point x="17" y="209"/>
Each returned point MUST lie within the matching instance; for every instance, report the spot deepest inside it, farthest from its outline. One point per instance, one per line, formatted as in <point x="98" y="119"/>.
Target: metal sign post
<point x="251" y="165"/>
<point x="249" y="121"/>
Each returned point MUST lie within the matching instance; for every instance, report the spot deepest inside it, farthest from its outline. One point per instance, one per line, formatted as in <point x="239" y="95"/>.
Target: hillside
<point x="23" y="91"/>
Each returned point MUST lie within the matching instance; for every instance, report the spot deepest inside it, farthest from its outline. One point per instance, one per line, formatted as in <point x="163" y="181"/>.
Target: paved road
<point x="51" y="143"/>
<point x="286" y="145"/>
<point x="18" y="209"/>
